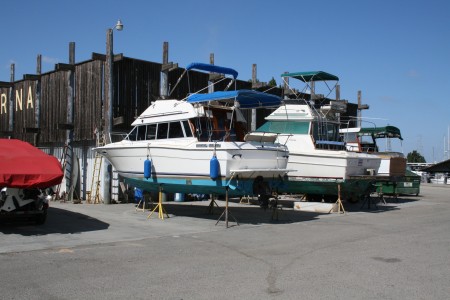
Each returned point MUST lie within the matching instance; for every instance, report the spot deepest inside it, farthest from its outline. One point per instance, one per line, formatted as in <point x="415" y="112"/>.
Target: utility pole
<point x="360" y="108"/>
<point x="254" y="82"/>
<point x="108" y="108"/>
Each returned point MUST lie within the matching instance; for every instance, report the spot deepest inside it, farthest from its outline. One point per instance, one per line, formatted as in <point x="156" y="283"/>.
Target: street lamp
<point x="108" y="107"/>
<point x="119" y="25"/>
<point x="110" y="76"/>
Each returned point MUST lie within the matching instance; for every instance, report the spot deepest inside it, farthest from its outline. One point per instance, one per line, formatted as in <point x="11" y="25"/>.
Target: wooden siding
<point x="54" y="91"/>
<point x="88" y="99"/>
<point x="24" y="113"/>
<point x="136" y="85"/>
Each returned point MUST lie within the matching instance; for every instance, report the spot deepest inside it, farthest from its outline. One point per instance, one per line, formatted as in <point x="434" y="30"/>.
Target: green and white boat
<point x="322" y="167"/>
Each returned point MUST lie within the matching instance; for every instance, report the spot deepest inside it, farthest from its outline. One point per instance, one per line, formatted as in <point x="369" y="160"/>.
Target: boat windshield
<point x="157" y="131"/>
<point x="288" y="127"/>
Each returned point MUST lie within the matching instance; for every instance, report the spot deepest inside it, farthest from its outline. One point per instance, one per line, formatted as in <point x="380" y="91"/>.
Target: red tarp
<point x="25" y="166"/>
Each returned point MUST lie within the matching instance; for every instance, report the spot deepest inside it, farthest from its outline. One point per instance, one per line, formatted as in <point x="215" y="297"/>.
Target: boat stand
<point x="276" y="209"/>
<point x="159" y="206"/>
<point x="139" y="204"/>
<point x="380" y="197"/>
<point x="369" y="199"/>
<point x="339" y="201"/>
<point x="246" y="199"/>
<point x="146" y="202"/>
<point x="226" y="211"/>
<point x="211" y="205"/>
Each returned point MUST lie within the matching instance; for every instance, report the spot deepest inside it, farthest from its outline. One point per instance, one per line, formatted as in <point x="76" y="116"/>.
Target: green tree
<point x="415" y="157"/>
<point x="272" y="82"/>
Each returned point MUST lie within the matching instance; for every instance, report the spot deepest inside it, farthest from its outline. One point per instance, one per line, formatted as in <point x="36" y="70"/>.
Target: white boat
<point x="316" y="152"/>
<point x="439" y="178"/>
<point x="364" y="140"/>
<point x="199" y="145"/>
<point x="399" y="179"/>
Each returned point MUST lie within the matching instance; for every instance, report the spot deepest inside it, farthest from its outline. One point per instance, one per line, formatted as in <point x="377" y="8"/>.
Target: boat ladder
<point x="93" y="196"/>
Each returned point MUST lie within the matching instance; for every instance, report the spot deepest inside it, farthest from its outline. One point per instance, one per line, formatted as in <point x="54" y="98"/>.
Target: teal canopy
<point x="311" y="76"/>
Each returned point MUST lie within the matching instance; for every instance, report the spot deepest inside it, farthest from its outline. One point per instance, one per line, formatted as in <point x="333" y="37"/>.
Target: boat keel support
<point x="159" y="206"/>
<point x="339" y="202"/>
<point x="226" y="211"/>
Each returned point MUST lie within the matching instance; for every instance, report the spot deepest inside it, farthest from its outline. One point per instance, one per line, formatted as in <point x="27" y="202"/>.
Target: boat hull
<point x="329" y="189"/>
<point x="184" y="167"/>
<point x="320" y="174"/>
<point x="331" y="164"/>
<point x="240" y="187"/>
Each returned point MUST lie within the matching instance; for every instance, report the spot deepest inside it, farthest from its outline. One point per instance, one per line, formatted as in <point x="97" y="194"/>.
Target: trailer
<point x="26" y="177"/>
<point x="26" y="204"/>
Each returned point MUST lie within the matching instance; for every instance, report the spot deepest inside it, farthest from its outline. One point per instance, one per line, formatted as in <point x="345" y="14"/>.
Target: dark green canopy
<point x="311" y="76"/>
<point x="382" y="132"/>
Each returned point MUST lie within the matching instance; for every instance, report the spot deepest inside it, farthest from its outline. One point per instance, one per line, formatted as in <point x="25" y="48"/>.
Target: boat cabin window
<point x="288" y="127"/>
<point x="326" y="136"/>
<point x="151" y="132"/>
<point x="175" y="130"/>
<point x="187" y="129"/>
<point x="162" y="131"/>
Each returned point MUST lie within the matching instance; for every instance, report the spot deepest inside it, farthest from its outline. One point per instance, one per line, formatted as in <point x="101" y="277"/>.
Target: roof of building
<point x="443" y="166"/>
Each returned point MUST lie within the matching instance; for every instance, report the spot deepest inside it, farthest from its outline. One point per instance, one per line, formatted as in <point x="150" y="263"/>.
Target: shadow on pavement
<point x="244" y="214"/>
<point x="376" y="204"/>
<point x="58" y="221"/>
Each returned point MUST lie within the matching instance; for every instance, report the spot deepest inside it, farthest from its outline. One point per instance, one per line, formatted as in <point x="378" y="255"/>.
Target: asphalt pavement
<point x="400" y="250"/>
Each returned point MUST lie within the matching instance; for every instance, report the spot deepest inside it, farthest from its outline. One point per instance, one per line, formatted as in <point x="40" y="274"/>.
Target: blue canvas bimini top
<point x="246" y="98"/>
<point x="213" y="68"/>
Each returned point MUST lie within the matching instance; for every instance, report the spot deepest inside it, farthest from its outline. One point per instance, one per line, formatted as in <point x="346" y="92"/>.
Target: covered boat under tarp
<point x="25" y="166"/>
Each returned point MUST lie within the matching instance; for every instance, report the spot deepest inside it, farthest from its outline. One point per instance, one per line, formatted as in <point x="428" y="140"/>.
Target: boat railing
<point x="369" y="148"/>
<point x="223" y="135"/>
<point x="117" y="136"/>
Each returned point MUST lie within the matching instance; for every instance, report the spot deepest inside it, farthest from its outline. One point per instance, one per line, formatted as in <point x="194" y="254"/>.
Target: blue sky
<point x="396" y="52"/>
